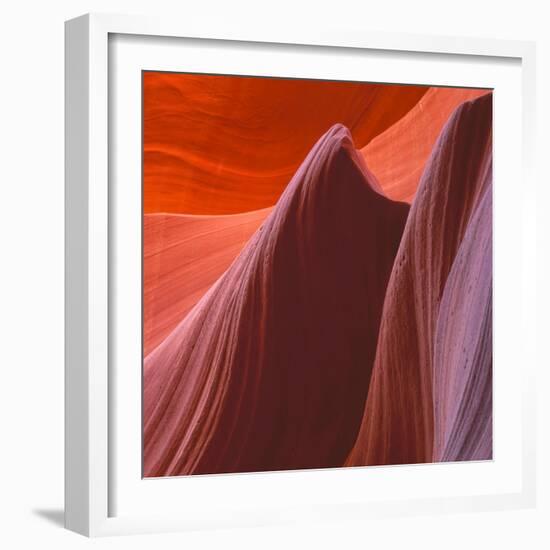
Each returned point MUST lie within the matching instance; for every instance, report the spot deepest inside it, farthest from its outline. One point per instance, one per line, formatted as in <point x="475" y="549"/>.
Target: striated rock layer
<point x="218" y="144"/>
<point x="183" y="256"/>
<point x="430" y="393"/>
<point x="398" y="155"/>
<point x="462" y="370"/>
<point x="270" y="370"/>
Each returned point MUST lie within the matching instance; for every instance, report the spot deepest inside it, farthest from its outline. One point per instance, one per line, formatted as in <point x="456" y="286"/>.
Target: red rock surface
<point x="398" y="422"/>
<point x="270" y="369"/>
<point x="183" y="257"/>
<point x="398" y="155"/>
<point x="334" y="328"/>
<point x="223" y="145"/>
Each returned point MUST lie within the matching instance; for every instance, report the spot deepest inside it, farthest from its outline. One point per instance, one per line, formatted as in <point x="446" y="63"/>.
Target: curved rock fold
<point x="299" y="315"/>
<point x="270" y="370"/>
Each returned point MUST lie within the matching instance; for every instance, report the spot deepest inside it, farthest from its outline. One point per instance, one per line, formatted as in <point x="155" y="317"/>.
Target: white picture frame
<point x="100" y="497"/>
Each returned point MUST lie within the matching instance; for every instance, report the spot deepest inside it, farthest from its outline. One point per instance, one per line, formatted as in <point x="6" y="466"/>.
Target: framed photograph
<point x="298" y="275"/>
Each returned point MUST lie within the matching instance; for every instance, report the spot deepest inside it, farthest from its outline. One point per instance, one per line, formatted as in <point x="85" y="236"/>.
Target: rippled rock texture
<point x="434" y="355"/>
<point x="317" y="274"/>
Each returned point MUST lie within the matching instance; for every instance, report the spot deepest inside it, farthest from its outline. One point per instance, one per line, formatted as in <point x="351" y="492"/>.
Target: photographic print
<point x="317" y="274"/>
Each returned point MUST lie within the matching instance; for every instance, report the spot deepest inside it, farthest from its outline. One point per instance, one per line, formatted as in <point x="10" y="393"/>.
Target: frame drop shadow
<point x="55" y="516"/>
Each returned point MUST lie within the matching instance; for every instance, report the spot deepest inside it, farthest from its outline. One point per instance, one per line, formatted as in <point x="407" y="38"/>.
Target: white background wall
<point x="31" y="269"/>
